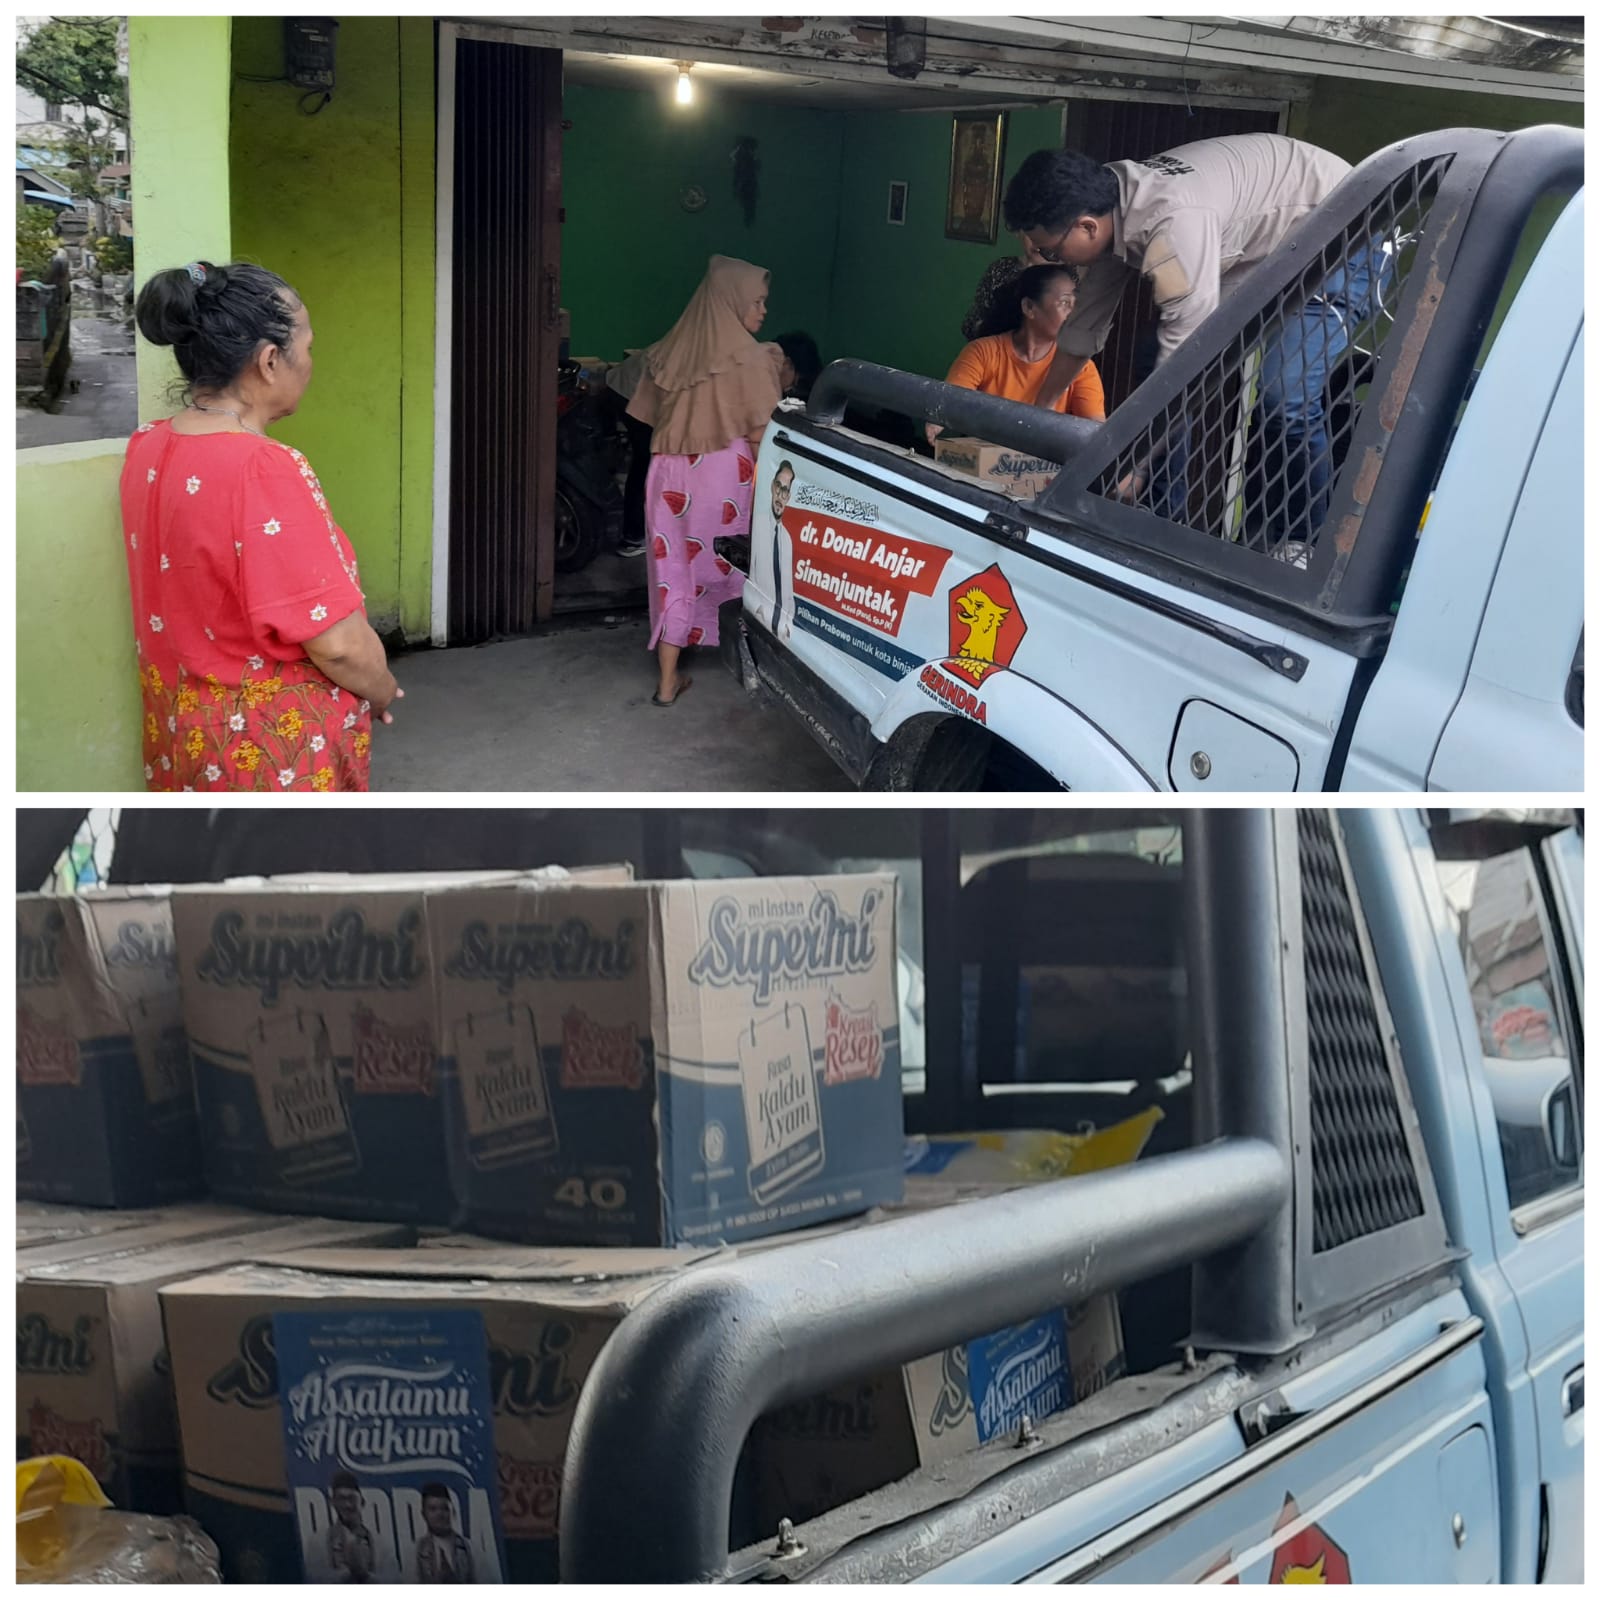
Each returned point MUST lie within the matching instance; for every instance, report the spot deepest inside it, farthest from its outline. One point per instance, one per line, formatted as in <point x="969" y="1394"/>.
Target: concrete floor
<point x="570" y="710"/>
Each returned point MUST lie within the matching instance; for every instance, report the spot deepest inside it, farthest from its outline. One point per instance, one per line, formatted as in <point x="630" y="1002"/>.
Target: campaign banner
<point x="871" y="649"/>
<point x="389" y="1442"/>
<point x="866" y="574"/>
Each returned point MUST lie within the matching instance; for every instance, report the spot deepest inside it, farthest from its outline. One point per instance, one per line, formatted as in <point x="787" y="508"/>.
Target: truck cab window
<point x="1069" y="935"/>
<point x="1505" y="932"/>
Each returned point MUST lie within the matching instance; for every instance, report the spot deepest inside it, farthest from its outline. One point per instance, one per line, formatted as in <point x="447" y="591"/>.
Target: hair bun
<point x="165" y="310"/>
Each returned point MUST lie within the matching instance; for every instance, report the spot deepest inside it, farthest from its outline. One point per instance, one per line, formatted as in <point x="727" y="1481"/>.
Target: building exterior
<point x="352" y="205"/>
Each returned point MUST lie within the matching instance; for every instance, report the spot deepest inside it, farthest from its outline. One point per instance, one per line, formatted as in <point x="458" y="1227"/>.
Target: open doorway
<point x="587" y="197"/>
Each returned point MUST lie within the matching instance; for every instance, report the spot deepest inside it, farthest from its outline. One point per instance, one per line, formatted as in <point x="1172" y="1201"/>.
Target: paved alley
<point x="570" y="710"/>
<point x="102" y="400"/>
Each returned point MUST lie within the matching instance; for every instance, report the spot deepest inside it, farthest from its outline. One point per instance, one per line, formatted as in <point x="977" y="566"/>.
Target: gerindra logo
<point x="374" y="1419"/>
<point x="780" y="945"/>
<point x="506" y="954"/>
<point x="347" y="954"/>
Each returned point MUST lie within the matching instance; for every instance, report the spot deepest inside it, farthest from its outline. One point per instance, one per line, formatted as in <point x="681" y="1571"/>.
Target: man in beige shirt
<point x="1193" y="221"/>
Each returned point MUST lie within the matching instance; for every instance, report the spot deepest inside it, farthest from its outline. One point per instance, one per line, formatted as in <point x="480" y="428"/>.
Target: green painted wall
<point x="341" y="203"/>
<point x="77" y="685"/>
<point x="178" y="70"/>
<point x="77" y="693"/>
<point x="899" y="293"/>
<point x="631" y="255"/>
<point x="1353" y="118"/>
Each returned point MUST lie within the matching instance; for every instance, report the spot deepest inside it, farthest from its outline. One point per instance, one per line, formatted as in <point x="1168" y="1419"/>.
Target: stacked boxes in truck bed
<point x="105" y="1112"/>
<point x="93" y="1379"/>
<point x="310" y="1011"/>
<point x="546" y="1314"/>
<point x="669" y="1062"/>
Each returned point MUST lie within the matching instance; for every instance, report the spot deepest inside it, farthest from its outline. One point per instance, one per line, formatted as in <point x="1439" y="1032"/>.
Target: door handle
<point x="1572" y="1394"/>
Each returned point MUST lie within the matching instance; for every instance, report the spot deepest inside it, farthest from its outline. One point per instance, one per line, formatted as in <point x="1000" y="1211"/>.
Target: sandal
<point x="683" y="689"/>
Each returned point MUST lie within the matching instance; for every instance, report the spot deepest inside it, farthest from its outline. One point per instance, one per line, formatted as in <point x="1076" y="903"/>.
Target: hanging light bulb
<point x="685" y="88"/>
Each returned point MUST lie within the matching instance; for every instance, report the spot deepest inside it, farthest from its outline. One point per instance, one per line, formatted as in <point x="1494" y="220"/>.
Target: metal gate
<point x="505" y="310"/>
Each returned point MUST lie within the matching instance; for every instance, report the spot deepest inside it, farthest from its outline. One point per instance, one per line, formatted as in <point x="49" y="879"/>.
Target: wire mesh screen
<point x="1362" y="1176"/>
<point x="1250" y="449"/>
<point x="86" y="862"/>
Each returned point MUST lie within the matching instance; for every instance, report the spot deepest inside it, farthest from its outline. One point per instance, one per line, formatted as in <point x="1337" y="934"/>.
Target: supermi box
<point x="808" y="1458"/>
<point x="41" y="1225"/>
<point x="92" y="1374"/>
<point x="105" y="1112"/>
<point x="546" y="1314"/>
<point x="309" y="1006"/>
<point x="669" y="1063"/>
<point x="999" y="466"/>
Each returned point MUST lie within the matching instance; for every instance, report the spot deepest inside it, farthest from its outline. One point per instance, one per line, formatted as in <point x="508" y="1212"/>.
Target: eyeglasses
<point x="1051" y="253"/>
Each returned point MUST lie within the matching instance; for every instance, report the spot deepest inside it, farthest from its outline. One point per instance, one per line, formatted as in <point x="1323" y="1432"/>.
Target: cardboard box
<point x="546" y="1315"/>
<point x="77" y="1235"/>
<point x="92" y="1373"/>
<point x="310" y="1010"/>
<point x="997" y="465"/>
<point x="811" y="1457"/>
<point x="669" y="1062"/>
<point x="105" y="1111"/>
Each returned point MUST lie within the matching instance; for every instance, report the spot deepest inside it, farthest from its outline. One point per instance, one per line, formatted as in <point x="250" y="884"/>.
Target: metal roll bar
<point x="1046" y="434"/>
<point x="665" y="1411"/>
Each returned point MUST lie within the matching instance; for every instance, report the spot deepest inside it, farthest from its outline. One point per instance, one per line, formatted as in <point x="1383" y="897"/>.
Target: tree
<point x="86" y="152"/>
<point x="73" y="61"/>
<point x="36" y="240"/>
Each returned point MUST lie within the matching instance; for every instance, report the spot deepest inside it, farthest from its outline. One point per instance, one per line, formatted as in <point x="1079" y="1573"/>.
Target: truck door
<point x="1514" y="715"/>
<point x="1515" y="909"/>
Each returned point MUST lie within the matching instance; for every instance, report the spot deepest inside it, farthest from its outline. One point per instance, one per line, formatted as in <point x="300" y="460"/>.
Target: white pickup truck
<point x="1420" y="629"/>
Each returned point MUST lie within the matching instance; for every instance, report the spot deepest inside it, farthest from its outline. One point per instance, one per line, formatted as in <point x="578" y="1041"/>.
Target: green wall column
<point x="77" y="675"/>
<point x="340" y="203"/>
<point x="179" y="75"/>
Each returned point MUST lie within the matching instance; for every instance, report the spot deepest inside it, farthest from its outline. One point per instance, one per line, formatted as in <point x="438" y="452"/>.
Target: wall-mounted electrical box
<point x="308" y="51"/>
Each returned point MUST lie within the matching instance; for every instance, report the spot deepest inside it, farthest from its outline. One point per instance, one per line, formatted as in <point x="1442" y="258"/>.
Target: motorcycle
<point x="589" y="454"/>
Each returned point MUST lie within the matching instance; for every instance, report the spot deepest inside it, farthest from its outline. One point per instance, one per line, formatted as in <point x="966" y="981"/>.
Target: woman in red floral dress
<point x="258" y="667"/>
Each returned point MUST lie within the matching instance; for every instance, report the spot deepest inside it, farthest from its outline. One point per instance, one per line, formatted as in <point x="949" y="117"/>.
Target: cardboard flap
<point x="505" y="1263"/>
<point x="164" y="1259"/>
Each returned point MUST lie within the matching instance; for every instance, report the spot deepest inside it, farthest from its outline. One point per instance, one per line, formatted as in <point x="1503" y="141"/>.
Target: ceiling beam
<point x="1210" y="42"/>
<point x="966" y="62"/>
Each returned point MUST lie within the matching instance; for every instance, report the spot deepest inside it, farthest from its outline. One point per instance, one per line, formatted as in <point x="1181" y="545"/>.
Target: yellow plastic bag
<point x="1032" y="1155"/>
<point x="69" y="1532"/>
<point x="44" y="1485"/>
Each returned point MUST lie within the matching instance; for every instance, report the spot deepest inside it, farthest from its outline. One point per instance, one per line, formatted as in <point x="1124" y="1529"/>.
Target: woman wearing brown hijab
<point x="708" y="391"/>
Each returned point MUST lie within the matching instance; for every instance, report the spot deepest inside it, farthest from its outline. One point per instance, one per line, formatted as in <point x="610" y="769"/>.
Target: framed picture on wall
<point x="977" y="158"/>
<point x="898" y="188"/>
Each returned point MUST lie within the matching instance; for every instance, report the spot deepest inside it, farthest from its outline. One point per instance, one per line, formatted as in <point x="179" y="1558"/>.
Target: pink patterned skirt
<point x="691" y="501"/>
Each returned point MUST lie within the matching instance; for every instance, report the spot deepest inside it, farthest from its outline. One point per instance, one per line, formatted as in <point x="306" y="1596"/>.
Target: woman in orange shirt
<point x="1011" y="360"/>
